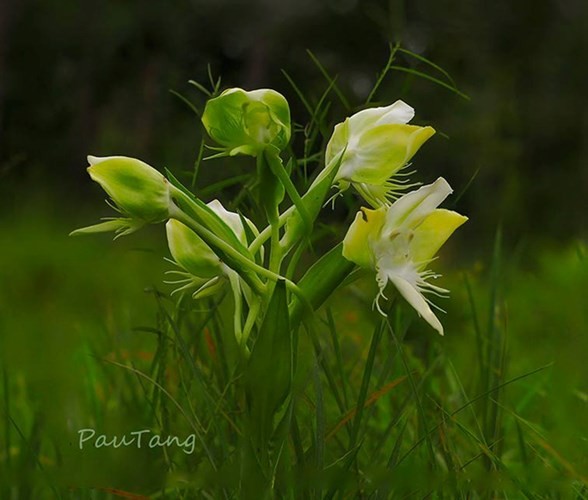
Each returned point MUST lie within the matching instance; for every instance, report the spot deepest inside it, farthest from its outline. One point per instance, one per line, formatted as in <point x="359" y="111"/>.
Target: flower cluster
<point x="397" y="237"/>
<point x="402" y="234"/>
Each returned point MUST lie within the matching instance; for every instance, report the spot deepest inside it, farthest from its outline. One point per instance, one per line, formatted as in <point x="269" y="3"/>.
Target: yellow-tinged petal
<point x="357" y="244"/>
<point x="432" y="233"/>
<point x="375" y="144"/>
<point x="378" y="153"/>
<point x="400" y="240"/>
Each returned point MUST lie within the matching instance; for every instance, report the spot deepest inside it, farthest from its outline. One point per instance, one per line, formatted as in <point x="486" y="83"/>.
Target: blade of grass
<point x="186" y="102"/>
<point x="455" y="199"/>
<point x="319" y="436"/>
<point x="475" y="399"/>
<point x="428" y="62"/>
<point x="215" y="405"/>
<point x="196" y="425"/>
<point x="463" y="394"/>
<point x="299" y="93"/>
<point x="348" y="459"/>
<point x="431" y="79"/>
<point x="197" y="164"/>
<point x="393" y="460"/>
<point x="486" y="451"/>
<point x="539" y="439"/>
<point x="521" y="443"/>
<point x="383" y="73"/>
<point x="495" y="342"/>
<point x="370" y="400"/>
<point x="297" y="442"/>
<point x="32" y="445"/>
<point x="365" y="381"/>
<point x="477" y="330"/>
<point x="7" y="413"/>
<point x="311" y="330"/>
<point x="338" y="357"/>
<point x="414" y="389"/>
<point x="331" y="80"/>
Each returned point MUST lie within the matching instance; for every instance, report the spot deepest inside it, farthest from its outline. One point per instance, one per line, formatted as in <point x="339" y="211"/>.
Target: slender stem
<point x="277" y="168"/>
<point x="238" y="298"/>
<point x="275" y="260"/>
<point x="252" y="315"/>
<point x="267" y="232"/>
<point x="273" y="216"/>
<point x="313" y="199"/>
<point x="211" y="238"/>
<point x="176" y="213"/>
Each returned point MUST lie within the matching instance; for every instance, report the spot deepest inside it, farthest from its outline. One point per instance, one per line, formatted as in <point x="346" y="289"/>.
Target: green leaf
<point x="312" y="201"/>
<point x="321" y="280"/>
<point x="268" y="375"/>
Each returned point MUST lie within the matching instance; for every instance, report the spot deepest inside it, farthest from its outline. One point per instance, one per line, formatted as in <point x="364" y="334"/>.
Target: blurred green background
<point x="82" y="77"/>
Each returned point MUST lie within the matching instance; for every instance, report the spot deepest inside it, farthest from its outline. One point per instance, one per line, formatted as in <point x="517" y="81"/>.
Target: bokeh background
<point x="82" y="77"/>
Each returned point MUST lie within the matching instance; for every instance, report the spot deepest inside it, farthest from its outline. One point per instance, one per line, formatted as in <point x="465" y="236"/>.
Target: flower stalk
<point x="395" y="237"/>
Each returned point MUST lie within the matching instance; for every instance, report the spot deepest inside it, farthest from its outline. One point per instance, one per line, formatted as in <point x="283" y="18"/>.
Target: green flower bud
<point x="190" y="252"/>
<point x="247" y="122"/>
<point x="138" y="190"/>
<point x="204" y="270"/>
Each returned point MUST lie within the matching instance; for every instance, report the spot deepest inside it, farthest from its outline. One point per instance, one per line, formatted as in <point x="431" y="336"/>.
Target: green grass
<point x="379" y="408"/>
<point x="496" y="409"/>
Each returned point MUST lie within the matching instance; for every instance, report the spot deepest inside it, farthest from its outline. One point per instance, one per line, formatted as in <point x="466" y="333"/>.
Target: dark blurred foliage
<point x="82" y="76"/>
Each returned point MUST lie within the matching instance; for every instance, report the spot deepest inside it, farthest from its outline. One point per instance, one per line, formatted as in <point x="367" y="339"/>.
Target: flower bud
<point x="376" y="143"/>
<point x="138" y="190"/>
<point x="247" y="122"/>
<point x="190" y="252"/>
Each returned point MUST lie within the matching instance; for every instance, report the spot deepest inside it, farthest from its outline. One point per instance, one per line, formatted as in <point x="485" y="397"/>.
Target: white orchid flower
<point x="376" y="144"/>
<point x="400" y="240"/>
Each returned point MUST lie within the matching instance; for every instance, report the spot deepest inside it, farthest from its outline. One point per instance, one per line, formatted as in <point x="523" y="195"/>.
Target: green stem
<point x="328" y="172"/>
<point x="277" y="168"/>
<point x="267" y="232"/>
<point x="252" y="315"/>
<point x="270" y="205"/>
<point x="176" y="213"/>
<point x="238" y="298"/>
<point x="313" y="201"/>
